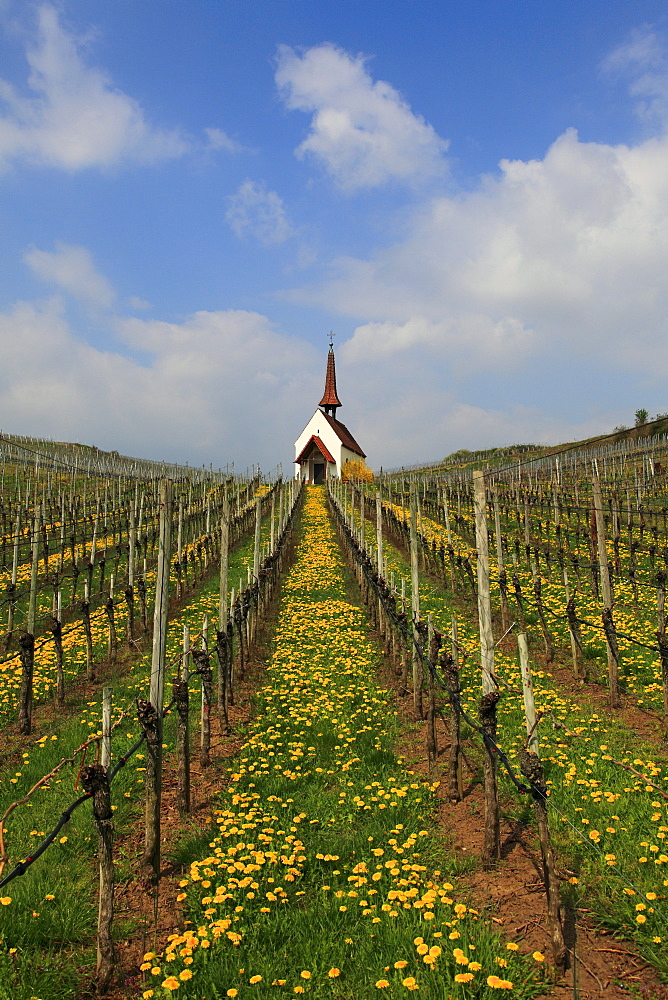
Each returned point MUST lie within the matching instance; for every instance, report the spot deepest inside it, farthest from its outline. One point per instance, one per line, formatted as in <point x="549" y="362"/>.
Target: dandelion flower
<point x="499" y="984"/>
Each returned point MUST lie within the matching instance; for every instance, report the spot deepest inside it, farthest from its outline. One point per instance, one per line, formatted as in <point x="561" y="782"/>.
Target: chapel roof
<point x="314" y="439"/>
<point x="343" y="434"/>
<point x="329" y="397"/>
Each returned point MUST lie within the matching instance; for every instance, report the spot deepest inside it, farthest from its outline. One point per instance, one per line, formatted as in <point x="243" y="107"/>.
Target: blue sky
<point x="473" y="196"/>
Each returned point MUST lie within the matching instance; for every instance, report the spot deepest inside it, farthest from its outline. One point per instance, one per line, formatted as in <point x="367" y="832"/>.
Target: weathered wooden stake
<point x="154" y="730"/>
<point x="95" y="780"/>
<point x="415" y="608"/>
<point x="492" y="842"/>
<point x="203" y="661"/>
<point x="527" y="693"/>
<point x="256" y="546"/>
<point x="456" y="759"/>
<point x="85" y="614"/>
<point x="221" y="637"/>
<point x="11" y="590"/>
<point x="606" y="593"/>
<point x="110" y="609"/>
<point x="56" y="629"/>
<point x="574" y="631"/>
<point x="492" y="845"/>
<point x="499" y="561"/>
<point x="27" y="652"/>
<point x="484" y="603"/>
<point x="181" y="697"/>
<point x="32" y="600"/>
<point x="532" y="769"/>
<point x="434" y="644"/>
<point x="105" y="746"/>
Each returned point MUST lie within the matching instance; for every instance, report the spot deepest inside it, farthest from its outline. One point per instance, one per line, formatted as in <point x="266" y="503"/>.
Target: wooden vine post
<point x="32" y="600"/>
<point x="434" y="645"/>
<point x="152" y="720"/>
<point x="379" y="532"/>
<point x="222" y="639"/>
<point x="105" y="746"/>
<point x="95" y="780"/>
<point x="112" y="642"/>
<point x="503" y="586"/>
<point x="85" y="614"/>
<point x="606" y="594"/>
<point x="11" y="590"/>
<point x="27" y="653"/>
<point x="203" y="663"/>
<point x="380" y="562"/>
<point x="415" y="607"/>
<point x="56" y="629"/>
<point x="527" y="692"/>
<point x="256" y="545"/>
<point x="532" y="769"/>
<point x="181" y="697"/>
<point x="451" y="551"/>
<point x="179" y="550"/>
<point x="449" y="664"/>
<point x="492" y="843"/>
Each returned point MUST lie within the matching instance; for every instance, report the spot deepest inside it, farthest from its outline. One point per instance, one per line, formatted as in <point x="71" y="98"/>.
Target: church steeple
<point x="330" y="401"/>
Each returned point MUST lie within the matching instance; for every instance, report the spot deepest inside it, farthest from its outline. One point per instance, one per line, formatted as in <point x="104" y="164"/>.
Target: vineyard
<point x="403" y="734"/>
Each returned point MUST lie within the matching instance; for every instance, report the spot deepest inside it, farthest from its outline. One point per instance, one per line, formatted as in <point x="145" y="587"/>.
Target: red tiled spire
<point x="330" y="400"/>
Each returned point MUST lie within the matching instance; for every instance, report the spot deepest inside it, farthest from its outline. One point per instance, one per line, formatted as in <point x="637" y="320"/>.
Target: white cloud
<point x="566" y="253"/>
<point x="254" y="211"/>
<point x="136" y="302"/>
<point x="218" y="387"/>
<point x="218" y="139"/>
<point x="225" y="386"/>
<point x="405" y="408"/>
<point x="72" y="269"/>
<point x="642" y="61"/>
<point x="363" y="132"/>
<point x="74" y="118"/>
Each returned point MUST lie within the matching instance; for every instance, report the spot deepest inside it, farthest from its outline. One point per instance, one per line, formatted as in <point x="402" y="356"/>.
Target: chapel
<point x="325" y="444"/>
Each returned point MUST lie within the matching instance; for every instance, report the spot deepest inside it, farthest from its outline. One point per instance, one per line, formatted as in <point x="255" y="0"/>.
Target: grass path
<point x="324" y="877"/>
